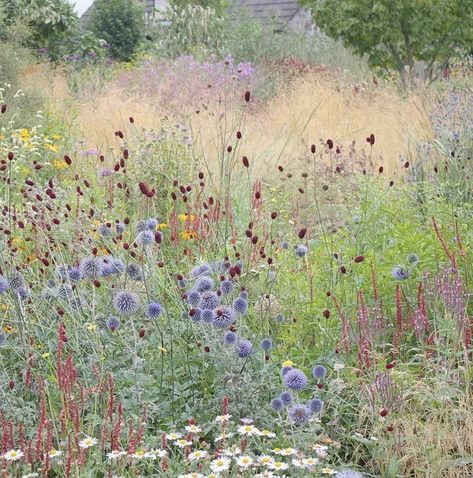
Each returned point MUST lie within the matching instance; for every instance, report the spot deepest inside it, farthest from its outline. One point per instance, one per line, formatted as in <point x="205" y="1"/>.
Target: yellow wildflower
<point x="4" y="306"/>
<point x="162" y="349"/>
<point x="58" y="164"/>
<point x="288" y="363"/>
<point x="45" y="355"/>
<point x="163" y="225"/>
<point x="186" y="217"/>
<point x="7" y="329"/>
<point x="92" y="327"/>
<point x="52" y="147"/>
<point x="188" y="235"/>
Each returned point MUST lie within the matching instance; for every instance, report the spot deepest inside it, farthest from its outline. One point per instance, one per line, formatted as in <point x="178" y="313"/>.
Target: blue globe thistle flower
<point x="77" y="303"/>
<point x="23" y="293"/>
<point x="126" y="303"/>
<point x="154" y="310"/>
<point x="301" y="250"/>
<point x="108" y="269"/>
<point x="120" y="228"/>
<point x="140" y="226"/>
<point x="240" y="306"/>
<point x="3" y="339"/>
<point x="285" y="245"/>
<point x="315" y="405"/>
<point x="16" y="281"/>
<point x="209" y="300"/>
<point x="145" y="238"/>
<point x="280" y="318"/>
<point x="266" y="344"/>
<point x="286" y="398"/>
<point x="204" y="284"/>
<point x="151" y="224"/>
<point x="244" y="295"/>
<point x="196" y="315"/>
<point x="295" y="379"/>
<point x="91" y="267"/>
<point x="118" y="265"/>
<point x="182" y="283"/>
<point x="244" y="348"/>
<point x="113" y="323"/>
<point x="200" y="270"/>
<point x="208" y="315"/>
<point x="48" y="295"/>
<point x="193" y="298"/>
<point x="399" y="273"/>
<point x="299" y="414"/>
<point x="319" y="372"/>
<point x="219" y="267"/>
<point x="74" y="274"/>
<point x="135" y="272"/>
<point x="284" y="370"/>
<point x="227" y="286"/>
<point x="61" y="272"/>
<point x="51" y="283"/>
<point x="4" y="284"/>
<point x="64" y="291"/>
<point x="348" y="474"/>
<point x="276" y="404"/>
<point x="230" y="338"/>
<point x="223" y="317"/>
<point x="104" y="230"/>
<point x="412" y="258"/>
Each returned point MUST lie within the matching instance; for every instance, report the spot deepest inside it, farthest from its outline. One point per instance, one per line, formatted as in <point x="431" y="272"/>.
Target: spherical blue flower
<point x="151" y="224"/>
<point x="266" y="344"/>
<point x="120" y="228"/>
<point x="16" y="281"/>
<point x="154" y="310"/>
<point x="51" y="283"/>
<point x="284" y="370"/>
<point x="141" y="226"/>
<point x="113" y="323"/>
<point x="240" y="306"/>
<point x="91" y="267"/>
<point x="348" y="474"/>
<point x="319" y="372"/>
<point x="135" y="272"/>
<point x="244" y="348"/>
<point x="399" y="273"/>
<point x="196" y="315"/>
<point x="108" y="269"/>
<point x="230" y="338"/>
<point x="208" y="316"/>
<point x="118" y="265"/>
<point x="301" y="250"/>
<point x="295" y="379"/>
<point x="284" y="245"/>
<point x="193" y="298"/>
<point x="276" y="404"/>
<point x="126" y="303"/>
<point x="23" y="293"/>
<point x="200" y="270"/>
<point x="412" y="258"/>
<point x="204" y="284"/>
<point x="74" y="274"/>
<point x="209" y="300"/>
<point x="104" y="230"/>
<point x="227" y="286"/>
<point x="244" y="295"/>
<point x="219" y="267"/>
<point x="286" y="398"/>
<point x="315" y="405"/>
<point x="77" y="303"/>
<point x="61" y="272"/>
<point x="145" y="238"/>
<point x="4" y="284"/>
<point x="64" y="291"/>
<point x="3" y="339"/>
<point x="223" y="317"/>
<point x="299" y="414"/>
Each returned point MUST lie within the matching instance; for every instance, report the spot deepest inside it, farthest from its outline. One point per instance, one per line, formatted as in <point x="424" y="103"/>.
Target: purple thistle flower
<point x="4" y="284"/>
<point x="230" y="338"/>
<point x="193" y="298"/>
<point x="200" y="270"/>
<point x="319" y="372"/>
<point x="399" y="273"/>
<point x="301" y="250"/>
<point x="126" y="303"/>
<point x="299" y="414"/>
<point x="223" y="318"/>
<point x="240" y="306"/>
<point x="295" y="379"/>
<point x="315" y="405"/>
<point x="204" y="284"/>
<point x="154" y="310"/>
<point x="208" y="316"/>
<point x="266" y="344"/>
<point x="277" y="404"/>
<point x="286" y="398"/>
<point x="209" y="300"/>
<point x="227" y="286"/>
<point x="91" y="267"/>
<point x="145" y="238"/>
<point x="74" y="274"/>
<point x="244" y="348"/>
<point x="113" y="324"/>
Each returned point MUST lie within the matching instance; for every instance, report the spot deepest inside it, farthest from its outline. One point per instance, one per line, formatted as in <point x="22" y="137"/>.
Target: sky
<point x="81" y="5"/>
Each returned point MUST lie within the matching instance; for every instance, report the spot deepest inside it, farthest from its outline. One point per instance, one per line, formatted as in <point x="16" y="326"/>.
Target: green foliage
<point x="394" y="34"/>
<point x="120" y="23"/>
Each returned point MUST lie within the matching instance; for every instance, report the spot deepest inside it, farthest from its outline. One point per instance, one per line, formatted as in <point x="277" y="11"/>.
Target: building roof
<point x="279" y="10"/>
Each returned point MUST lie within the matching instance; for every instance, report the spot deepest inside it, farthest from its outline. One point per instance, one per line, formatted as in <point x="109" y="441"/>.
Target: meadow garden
<point x="230" y="249"/>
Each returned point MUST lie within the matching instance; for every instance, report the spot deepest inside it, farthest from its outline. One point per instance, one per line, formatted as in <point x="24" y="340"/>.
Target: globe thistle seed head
<point x="412" y="258"/>
<point x="113" y="323"/>
<point x="399" y="273"/>
<point x="16" y="281"/>
<point x="91" y="267"/>
<point x="61" y="272"/>
<point x="286" y="398"/>
<point x="266" y="344"/>
<point x="223" y="318"/>
<point x="207" y="316"/>
<point x="315" y="405"/>
<point x="154" y="310"/>
<point x="301" y="250"/>
<point x="48" y="295"/>
<point x="151" y="224"/>
<point x="74" y="274"/>
<point x="276" y="404"/>
<point x="135" y="272"/>
<point x="319" y="372"/>
<point x="193" y="298"/>
<point x="348" y="474"/>
<point x="3" y="339"/>
<point x="126" y="303"/>
<point x="230" y="338"/>
<point x="104" y="230"/>
<point x="204" y="284"/>
<point x="120" y="228"/>
<point x="209" y="300"/>
<point x="4" y="284"/>
<point x="244" y="295"/>
<point x="299" y="414"/>
<point x="145" y="238"/>
<point x="200" y="270"/>
<point x="244" y="348"/>
<point x="64" y="291"/>
<point x="295" y="379"/>
<point x="226" y="286"/>
<point x="196" y="315"/>
<point x="240" y="306"/>
<point x="118" y="265"/>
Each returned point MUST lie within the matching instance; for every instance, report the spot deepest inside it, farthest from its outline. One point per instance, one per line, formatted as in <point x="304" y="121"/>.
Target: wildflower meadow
<point x="219" y="259"/>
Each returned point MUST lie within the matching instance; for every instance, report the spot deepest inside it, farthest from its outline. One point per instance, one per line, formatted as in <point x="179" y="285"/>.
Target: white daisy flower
<point x="337" y="366"/>
<point x="266" y="474"/>
<point x="197" y="455"/>
<point x="279" y="465"/>
<point x="13" y="455"/>
<point x="160" y="453"/>
<point x="173" y="436"/>
<point x="265" y="460"/>
<point x="267" y="433"/>
<point x="54" y="453"/>
<point x="328" y="471"/>
<point x="308" y="462"/>
<point x="182" y="443"/>
<point x="223" y="418"/>
<point x="297" y="463"/>
<point x="249" y="430"/>
<point x="193" y="429"/>
<point x="115" y="454"/>
<point x="233" y="451"/>
<point x="139" y="454"/>
<point x="244" y="461"/>
<point x="220" y="464"/>
<point x="224" y="436"/>
<point x="287" y="452"/>
<point x="88" y="442"/>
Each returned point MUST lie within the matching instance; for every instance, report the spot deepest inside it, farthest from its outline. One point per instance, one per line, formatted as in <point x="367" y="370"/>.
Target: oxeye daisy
<point x="223" y="418"/>
<point x="139" y="454"/>
<point x="265" y="460"/>
<point x="220" y="464"/>
<point x="309" y="462"/>
<point x="249" y="430"/>
<point x="197" y="455"/>
<point x="244" y="461"/>
<point x="88" y="442"/>
<point x="182" y="443"/>
<point x="328" y="471"/>
<point x="279" y="465"/>
<point x="54" y="453"/>
<point x="287" y="452"/>
<point x="115" y="454"/>
<point x="193" y="429"/>
<point x="13" y="455"/>
<point x="267" y="434"/>
<point x="159" y="452"/>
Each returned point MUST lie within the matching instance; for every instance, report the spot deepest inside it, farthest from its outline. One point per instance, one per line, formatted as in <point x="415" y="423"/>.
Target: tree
<point x="120" y="23"/>
<point x="395" y="34"/>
